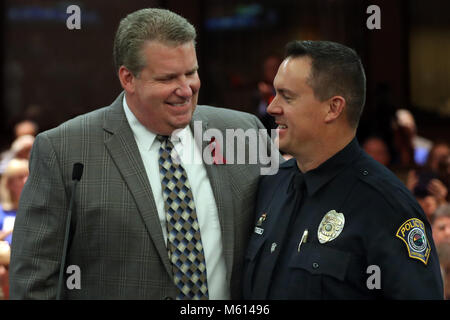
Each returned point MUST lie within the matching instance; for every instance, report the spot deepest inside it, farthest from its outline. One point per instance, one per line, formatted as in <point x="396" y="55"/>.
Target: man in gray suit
<point x="118" y="234"/>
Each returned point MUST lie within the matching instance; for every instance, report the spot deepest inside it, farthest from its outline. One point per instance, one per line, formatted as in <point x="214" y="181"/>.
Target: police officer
<point x="333" y="223"/>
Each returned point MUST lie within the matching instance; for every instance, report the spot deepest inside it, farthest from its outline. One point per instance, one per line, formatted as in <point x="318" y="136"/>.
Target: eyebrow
<point x="285" y="91"/>
<point x="174" y="75"/>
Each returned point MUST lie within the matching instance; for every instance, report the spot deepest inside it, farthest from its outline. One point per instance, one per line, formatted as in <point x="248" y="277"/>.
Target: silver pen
<point x="303" y="239"/>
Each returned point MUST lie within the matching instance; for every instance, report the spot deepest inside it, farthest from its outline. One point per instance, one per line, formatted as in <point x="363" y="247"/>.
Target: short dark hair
<point x="335" y="70"/>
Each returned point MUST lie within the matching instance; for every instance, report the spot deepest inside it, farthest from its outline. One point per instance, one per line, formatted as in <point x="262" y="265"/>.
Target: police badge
<point x="331" y="226"/>
<point x="412" y="233"/>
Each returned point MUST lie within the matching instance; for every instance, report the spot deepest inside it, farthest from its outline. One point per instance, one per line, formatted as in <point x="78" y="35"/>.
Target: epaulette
<point x="387" y="185"/>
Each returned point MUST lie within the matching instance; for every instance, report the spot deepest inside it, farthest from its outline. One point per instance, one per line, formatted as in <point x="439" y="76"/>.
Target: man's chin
<point x="181" y="123"/>
<point x="282" y="146"/>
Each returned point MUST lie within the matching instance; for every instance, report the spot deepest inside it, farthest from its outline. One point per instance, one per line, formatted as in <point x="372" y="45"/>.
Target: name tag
<point x="259" y="230"/>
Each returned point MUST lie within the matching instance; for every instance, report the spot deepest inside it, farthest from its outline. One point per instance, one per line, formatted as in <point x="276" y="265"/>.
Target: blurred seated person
<point x="20" y="148"/>
<point x="11" y="184"/>
<point x="266" y="91"/>
<point x="443" y="251"/>
<point x="441" y="225"/>
<point x="5" y="253"/>
<point x="377" y="149"/>
<point x="420" y="145"/>
<point x="429" y="192"/>
<point x="438" y="162"/>
<point x="437" y="156"/>
<point x="433" y="178"/>
<point x="26" y="127"/>
<point x="427" y="202"/>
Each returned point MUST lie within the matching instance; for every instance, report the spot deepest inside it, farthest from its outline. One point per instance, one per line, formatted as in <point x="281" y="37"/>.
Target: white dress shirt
<point x="204" y="200"/>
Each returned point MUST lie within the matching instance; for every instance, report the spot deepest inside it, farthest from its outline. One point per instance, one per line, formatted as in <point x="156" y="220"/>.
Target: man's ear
<point x="336" y="106"/>
<point x="127" y="79"/>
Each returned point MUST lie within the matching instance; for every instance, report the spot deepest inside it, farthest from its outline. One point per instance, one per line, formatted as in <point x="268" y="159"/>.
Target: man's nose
<point x="274" y="108"/>
<point x="184" y="89"/>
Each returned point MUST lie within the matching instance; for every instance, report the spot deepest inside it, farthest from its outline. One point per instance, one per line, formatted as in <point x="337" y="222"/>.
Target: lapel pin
<point x="273" y="247"/>
<point x="258" y="229"/>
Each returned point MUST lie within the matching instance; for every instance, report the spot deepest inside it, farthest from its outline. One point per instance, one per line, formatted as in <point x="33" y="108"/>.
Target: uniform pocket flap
<point x="254" y="247"/>
<point x="319" y="259"/>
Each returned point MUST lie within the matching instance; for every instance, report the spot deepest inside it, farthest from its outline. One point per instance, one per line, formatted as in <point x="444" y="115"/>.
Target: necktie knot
<point x="165" y="142"/>
<point x="162" y="138"/>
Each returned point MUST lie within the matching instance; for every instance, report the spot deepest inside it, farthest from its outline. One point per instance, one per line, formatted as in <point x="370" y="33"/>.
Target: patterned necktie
<point x="183" y="232"/>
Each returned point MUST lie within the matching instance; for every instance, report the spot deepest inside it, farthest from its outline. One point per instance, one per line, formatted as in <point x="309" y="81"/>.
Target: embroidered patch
<point x="412" y="232"/>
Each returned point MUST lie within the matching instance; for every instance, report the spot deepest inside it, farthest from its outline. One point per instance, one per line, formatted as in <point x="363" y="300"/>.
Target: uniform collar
<point x="318" y="177"/>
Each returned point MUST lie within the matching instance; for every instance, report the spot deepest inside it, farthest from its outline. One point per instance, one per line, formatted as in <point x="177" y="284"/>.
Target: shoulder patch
<point x="412" y="233"/>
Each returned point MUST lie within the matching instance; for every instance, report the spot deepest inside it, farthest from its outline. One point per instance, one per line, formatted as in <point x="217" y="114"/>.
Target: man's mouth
<point x="179" y="104"/>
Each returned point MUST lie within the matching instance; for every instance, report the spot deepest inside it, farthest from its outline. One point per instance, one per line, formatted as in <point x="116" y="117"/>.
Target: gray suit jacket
<point x="116" y="238"/>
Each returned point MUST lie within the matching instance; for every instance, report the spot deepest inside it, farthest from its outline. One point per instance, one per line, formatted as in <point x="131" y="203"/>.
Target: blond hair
<point x="14" y="167"/>
<point x="145" y="25"/>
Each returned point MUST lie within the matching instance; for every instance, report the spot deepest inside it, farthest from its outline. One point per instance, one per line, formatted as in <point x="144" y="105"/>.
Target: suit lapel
<point x="218" y="177"/>
<point x="124" y="152"/>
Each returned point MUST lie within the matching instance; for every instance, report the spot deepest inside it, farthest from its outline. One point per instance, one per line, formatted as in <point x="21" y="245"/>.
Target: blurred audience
<point x="12" y="182"/>
<point x="418" y="146"/>
<point x="11" y="185"/>
<point x="430" y="183"/>
<point x="5" y="253"/>
<point x="20" y="148"/>
<point x="403" y="146"/>
<point x="438" y="162"/>
<point x="266" y="91"/>
<point x="441" y="225"/>
<point x="430" y="192"/>
<point x="377" y="149"/>
<point x="443" y="251"/>
<point x="26" y="127"/>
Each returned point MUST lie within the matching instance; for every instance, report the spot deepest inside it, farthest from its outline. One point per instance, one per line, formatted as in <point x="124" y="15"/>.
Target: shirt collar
<point x="318" y="177"/>
<point x="145" y="137"/>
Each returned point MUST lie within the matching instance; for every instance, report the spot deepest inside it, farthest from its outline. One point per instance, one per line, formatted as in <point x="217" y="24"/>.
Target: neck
<point x="323" y="151"/>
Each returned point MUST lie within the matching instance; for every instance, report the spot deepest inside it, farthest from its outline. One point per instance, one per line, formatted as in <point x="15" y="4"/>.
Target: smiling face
<point x="298" y="113"/>
<point x="164" y="95"/>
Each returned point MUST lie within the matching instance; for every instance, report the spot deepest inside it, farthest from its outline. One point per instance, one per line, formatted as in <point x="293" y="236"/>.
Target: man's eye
<point x="164" y="79"/>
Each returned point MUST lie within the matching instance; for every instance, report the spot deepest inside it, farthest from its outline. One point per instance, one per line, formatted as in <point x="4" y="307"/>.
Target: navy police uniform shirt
<point x="348" y="229"/>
